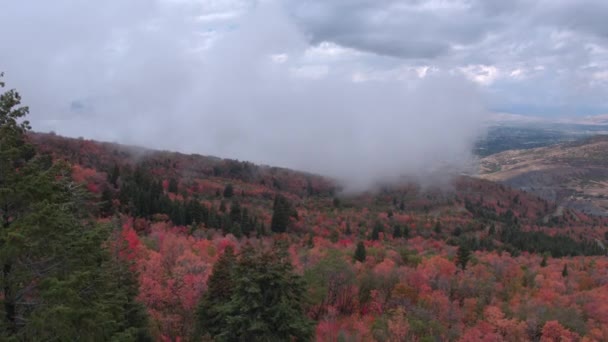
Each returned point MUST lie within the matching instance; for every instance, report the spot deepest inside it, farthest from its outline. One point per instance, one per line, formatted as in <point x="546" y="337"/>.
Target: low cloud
<point x="257" y="91"/>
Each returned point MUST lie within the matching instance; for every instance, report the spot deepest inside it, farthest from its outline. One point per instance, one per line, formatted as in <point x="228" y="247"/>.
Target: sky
<point x="358" y="89"/>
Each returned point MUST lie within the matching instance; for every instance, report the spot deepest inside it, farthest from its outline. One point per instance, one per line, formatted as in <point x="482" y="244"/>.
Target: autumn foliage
<point x="477" y="262"/>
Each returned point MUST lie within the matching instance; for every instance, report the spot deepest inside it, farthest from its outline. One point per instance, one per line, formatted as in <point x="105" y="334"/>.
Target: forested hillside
<point x="108" y="242"/>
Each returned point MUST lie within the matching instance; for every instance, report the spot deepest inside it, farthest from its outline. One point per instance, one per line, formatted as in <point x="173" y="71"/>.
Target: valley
<point x="573" y="174"/>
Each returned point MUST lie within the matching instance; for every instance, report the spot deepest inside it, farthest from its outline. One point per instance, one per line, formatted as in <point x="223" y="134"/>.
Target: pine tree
<point x="281" y="213"/>
<point x="565" y="271"/>
<point x="235" y="212"/>
<point x="57" y="282"/>
<point x="463" y="255"/>
<point x="106" y="206"/>
<point x="360" y="253"/>
<point x="228" y="191"/>
<point x="173" y="187"/>
<point x="543" y="262"/>
<point x="406" y="232"/>
<point x="267" y="302"/>
<point x="114" y="175"/>
<point x="210" y="311"/>
<point x="397" y="232"/>
<point x="378" y="228"/>
<point x="492" y="230"/>
<point x="437" y="228"/>
<point x="348" y="230"/>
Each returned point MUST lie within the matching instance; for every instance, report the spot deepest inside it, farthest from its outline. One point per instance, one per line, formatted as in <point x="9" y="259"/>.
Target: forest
<point x="106" y="242"/>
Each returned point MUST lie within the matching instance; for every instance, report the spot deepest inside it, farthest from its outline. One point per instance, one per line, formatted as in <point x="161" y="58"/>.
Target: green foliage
<point x="281" y="213"/>
<point x="540" y="242"/>
<point x="360" y="253"/>
<point x="463" y="255"/>
<point x="329" y="282"/>
<point x="267" y="300"/>
<point x="437" y="228"/>
<point x="211" y="313"/>
<point x="334" y="236"/>
<point x="235" y="212"/>
<point x="228" y="191"/>
<point x="57" y="281"/>
<point x="173" y="185"/>
<point x="378" y="228"/>
<point x="397" y="232"/>
<point x="348" y="230"/>
<point x="410" y="257"/>
<point x="114" y="175"/>
<point x="406" y="232"/>
<point x="565" y="271"/>
<point x="543" y="262"/>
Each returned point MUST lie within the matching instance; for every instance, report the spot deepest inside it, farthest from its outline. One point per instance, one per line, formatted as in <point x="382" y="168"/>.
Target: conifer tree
<point x="235" y="212"/>
<point x="228" y="191"/>
<point x="58" y="282"/>
<point x="360" y="253"/>
<point x="282" y="211"/>
<point x="211" y="314"/>
<point x="267" y="302"/>
<point x="113" y="177"/>
<point x="543" y="262"/>
<point x="378" y="228"/>
<point x="397" y="232"/>
<point x="463" y="255"/>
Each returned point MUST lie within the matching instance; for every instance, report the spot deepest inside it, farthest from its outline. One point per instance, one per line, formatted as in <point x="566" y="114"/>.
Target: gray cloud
<point x="405" y="29"/>
<point x="177" y="75"/>
<point x="566" y="38"/>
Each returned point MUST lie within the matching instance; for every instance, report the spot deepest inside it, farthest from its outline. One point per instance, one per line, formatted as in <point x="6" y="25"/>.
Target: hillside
<point x="575" y="175"/>
<point x="414" y="278"/>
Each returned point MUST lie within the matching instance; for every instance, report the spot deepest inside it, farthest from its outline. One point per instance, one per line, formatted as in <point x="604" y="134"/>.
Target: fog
<point x="145" y="73"/>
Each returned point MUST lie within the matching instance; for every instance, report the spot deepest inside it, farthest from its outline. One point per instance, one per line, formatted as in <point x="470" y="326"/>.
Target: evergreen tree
<point x="173" y="187"/>
<point x="246" y="222"/>
<point x="228" y="191"/>
<point x="235" y="212"/>
<point x="378" y="228"/>
<point x="543" y="262"/>
<point x="281" y="213"/>
<point x="211" y="315"/>
<point x="565" y="271"/>
<point x="406" y="232"/>
<point x="463" y="255"/>
<point x="106" y="202"/>
<point x="57" y="281"/>
<point x="267" y="302"/>
<point x="437" y="228"/>
<point x="492" y="230"/>
<point x="360" y="253"/>
<point x="348" y="230"/>
<point x="114" y="175"/>
<point x="397" y="232"/>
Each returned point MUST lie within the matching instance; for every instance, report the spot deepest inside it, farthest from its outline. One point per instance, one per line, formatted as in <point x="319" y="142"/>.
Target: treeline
<point x="141" y="195"/>
<point x="514" y="240"/>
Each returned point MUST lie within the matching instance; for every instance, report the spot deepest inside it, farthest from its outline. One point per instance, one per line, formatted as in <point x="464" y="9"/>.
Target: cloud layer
<point x="362" y="90"/>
